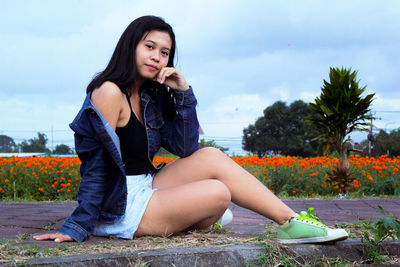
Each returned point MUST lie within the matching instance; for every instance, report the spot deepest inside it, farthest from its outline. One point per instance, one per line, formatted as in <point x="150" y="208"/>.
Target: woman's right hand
<point x="57" y="237"/>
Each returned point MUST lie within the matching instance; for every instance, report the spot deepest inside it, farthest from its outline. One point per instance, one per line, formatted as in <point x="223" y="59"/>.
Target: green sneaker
<point x="307" y="228"/>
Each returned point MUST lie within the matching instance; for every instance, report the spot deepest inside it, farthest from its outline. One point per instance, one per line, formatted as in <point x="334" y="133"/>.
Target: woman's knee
<point x="219" y="193"/>
<point x="211" y="155"/>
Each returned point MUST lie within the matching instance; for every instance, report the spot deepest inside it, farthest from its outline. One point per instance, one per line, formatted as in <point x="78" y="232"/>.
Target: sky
<point x="239" y="56"/>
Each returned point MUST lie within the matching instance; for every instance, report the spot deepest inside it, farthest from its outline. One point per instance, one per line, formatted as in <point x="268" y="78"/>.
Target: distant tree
<point x="338" y="111"/>
<point x="35" y="144"/>
<point x="62" y="149"/>
<point x="211" y="143"/>
<point x="387" y="143"/>
<point x="7" y="144"/>
<point x="162" y="152"/>
<point x="282" y="130"/>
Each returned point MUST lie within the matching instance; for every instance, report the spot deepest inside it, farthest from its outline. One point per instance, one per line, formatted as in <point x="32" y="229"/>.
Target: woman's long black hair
<point x="122" y="69"/>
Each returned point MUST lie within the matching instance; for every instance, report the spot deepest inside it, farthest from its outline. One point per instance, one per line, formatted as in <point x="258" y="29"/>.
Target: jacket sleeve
<point x="181" y="136"/>
<point x="94" y="172"/>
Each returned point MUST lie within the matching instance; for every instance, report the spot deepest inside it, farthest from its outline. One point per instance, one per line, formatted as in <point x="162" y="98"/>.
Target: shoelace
<point x="310" y="217"/>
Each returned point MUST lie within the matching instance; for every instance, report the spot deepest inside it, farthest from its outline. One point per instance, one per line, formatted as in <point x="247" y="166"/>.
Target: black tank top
<point x="134" y="149"/>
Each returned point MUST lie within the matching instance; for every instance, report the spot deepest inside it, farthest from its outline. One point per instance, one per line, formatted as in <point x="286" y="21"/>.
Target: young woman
<point x="137" y="104"/>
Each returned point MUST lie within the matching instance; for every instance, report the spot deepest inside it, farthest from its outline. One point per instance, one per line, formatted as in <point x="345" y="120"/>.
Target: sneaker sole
<point x="227" y="217"/>
<point x="338" y="236"/>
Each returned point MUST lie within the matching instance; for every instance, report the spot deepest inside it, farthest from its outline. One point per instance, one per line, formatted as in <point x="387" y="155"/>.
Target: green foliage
<point x="162" y="152"/>
<point x="388" y="143"/>
<point x="7" y="144"/>
<point x="211" y="143"/>
<point x="376" y="233"/>
<point x="389" y="185"/>
<point x="282" y="130"/>
<point x="35" y="144"/>
<point x="386" y="227"/>
<point x="340" y="178"/>
<point x="62" y="149"/>
<point x="340" y="109"/>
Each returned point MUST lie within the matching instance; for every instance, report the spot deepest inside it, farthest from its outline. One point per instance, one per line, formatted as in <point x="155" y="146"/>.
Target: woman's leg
<point x="195" y="204"/>
<point x="180" y="195"/>
<point x="246" y="190"/>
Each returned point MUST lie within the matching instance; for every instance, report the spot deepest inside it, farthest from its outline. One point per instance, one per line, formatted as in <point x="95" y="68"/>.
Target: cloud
<point x="386" y="103"/>
<point x="230" y="114"/>
<point x="22" y="120"/>
<point x="232" y="53"/>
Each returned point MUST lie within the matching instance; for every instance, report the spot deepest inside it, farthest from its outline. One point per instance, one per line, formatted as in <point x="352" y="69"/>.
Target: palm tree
<point x="339" y="110"/>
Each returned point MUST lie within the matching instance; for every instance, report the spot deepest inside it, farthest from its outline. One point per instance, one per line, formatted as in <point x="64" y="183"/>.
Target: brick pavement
<point x="44" y="217"/>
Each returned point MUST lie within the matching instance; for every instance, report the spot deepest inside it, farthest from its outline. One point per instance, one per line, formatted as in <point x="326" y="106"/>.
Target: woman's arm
<point x="180" y="136"/>
<point x="94" y="168"/>
<point x="108" y="99"/>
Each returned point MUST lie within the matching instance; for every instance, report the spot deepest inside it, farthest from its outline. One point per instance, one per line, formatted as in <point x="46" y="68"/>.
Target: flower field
<point x="57" y="178"/>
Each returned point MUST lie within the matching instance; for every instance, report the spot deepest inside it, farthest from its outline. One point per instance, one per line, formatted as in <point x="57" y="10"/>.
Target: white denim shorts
<point x="140" y="189"/>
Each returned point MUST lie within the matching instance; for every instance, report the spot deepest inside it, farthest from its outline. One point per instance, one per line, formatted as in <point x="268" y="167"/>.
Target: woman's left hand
<point x="172" y="78"/>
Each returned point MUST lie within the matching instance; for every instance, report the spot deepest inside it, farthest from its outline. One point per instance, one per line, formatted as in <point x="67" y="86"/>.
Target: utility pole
<point x="371" y="138"/>
<point x="371" y="135"/>
<point x="52" y="139"/>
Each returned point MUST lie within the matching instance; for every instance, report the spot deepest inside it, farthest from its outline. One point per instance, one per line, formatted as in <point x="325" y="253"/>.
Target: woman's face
<point x="152" y="54"/>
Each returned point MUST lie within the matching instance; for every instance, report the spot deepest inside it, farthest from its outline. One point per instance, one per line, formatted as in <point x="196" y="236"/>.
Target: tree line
<point x="284" y="130"/>
<point x="36" y="144"/>
<point x="313" y="129"/>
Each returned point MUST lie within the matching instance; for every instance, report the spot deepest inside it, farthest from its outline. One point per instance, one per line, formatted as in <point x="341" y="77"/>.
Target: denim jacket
<point x="103" y="191"/>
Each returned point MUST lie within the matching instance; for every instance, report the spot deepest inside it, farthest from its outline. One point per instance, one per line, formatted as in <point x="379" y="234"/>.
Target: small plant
<point x="338" y="111"/>
<point x="340" y="178"/>
<point x="376" y="233"/>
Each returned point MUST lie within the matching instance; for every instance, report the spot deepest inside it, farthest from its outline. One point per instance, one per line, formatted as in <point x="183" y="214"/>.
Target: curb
<point x="231" y="255"/>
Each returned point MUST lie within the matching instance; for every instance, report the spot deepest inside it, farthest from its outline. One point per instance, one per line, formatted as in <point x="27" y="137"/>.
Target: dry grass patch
<point x="11" y="252"/>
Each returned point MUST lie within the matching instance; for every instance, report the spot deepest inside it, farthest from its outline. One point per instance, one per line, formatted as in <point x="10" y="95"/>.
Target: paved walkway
<point x="45" y="217"/>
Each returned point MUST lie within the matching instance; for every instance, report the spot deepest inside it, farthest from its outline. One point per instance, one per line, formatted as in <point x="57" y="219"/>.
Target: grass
<point x="350" y="195"/>
<point x="12" y="253"/>
<point x="277" y="254"/>
<point x="283" y="196"/>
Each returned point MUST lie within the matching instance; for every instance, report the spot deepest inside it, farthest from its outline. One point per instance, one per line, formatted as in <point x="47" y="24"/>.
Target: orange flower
<point x="266" y="177"/>
<point x="1" y="189"/>
<point x="370" y="178"/>
<point x="31" y="196"/>
<point x="294" y="192"/>
<point x="52" y="186"/>
<point x="395" y="169"/>
<point x="6" y="180"/>
<point x="40" y="189"/>
<point x="314" y="174"/>
<point x="355" y="182"/>
<point x="323" y="186"/>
